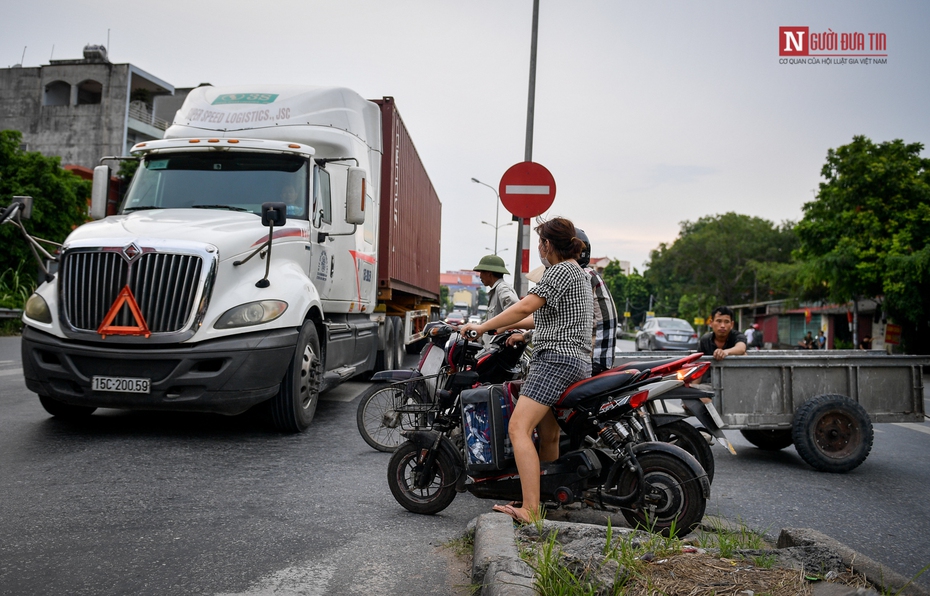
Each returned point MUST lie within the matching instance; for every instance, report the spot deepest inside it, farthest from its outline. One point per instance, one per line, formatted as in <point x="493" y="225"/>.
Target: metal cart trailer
<point x="823" y="402"/>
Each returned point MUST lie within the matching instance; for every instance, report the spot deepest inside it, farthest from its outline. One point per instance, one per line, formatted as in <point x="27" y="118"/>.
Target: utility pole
<point x="522" y="229"/>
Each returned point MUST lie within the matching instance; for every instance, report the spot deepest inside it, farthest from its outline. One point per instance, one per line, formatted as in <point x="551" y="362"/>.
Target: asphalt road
<point x="159" y="503"/>
<point x="150" y="503"/>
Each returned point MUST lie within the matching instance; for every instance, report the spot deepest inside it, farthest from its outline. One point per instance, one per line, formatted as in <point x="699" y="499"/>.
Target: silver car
<point x="666" y="333"/>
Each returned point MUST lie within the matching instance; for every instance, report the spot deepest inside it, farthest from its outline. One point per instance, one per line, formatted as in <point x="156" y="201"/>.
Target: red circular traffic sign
<point x="527" y="189"/>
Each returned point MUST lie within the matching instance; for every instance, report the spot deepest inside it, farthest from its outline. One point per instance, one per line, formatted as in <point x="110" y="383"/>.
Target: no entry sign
<point x="527" y="189"/>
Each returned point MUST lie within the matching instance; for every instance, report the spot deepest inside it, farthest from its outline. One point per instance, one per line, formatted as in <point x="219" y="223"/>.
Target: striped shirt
<point x="564" y="323"/>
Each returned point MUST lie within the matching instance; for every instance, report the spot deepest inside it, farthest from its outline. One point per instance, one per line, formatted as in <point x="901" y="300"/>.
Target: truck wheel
<point x="63" y="410"/>
<point x="385" y="360"/>
<point x="293" y="407"/>
<point x="832" y="433"/>
<point x="415" y="347"/>
<point x="769" y="439"/>
<point x="399" y="351"/>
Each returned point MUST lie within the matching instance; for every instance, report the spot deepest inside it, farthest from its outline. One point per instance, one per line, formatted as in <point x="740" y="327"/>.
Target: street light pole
<point x="497" y="211"/>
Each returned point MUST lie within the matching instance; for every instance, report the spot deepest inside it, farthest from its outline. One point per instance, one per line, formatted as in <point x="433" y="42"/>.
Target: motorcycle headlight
<point x="37" y="309"/>
<point x="253" y="313"/>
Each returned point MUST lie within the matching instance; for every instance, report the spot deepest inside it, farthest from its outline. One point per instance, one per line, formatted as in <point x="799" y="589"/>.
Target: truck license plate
<point x="121" y="384"/>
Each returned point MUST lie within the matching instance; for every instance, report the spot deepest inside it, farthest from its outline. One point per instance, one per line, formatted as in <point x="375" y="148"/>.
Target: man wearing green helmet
<point x="491" y="270"/>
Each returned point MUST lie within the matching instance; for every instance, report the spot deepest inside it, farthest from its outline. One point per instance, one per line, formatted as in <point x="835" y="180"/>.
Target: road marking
<point x="914" y="426"/>
<point x="10" y="372"/>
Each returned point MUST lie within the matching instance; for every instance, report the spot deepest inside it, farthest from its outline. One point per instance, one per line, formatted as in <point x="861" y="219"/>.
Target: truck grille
<point x="163" y="284"/>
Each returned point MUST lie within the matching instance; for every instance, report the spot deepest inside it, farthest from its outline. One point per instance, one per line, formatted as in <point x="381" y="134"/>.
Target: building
<point x="463" y="287"/>
<point x="784" y="327"/>
<point x="84" y="109"/>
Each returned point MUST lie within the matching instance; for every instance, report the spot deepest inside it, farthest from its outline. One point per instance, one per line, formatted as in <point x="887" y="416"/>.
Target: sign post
<point x="527" y="189"/>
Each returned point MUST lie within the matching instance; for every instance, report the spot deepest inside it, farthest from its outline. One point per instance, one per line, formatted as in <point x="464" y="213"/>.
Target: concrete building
<point x="84" y="109"/>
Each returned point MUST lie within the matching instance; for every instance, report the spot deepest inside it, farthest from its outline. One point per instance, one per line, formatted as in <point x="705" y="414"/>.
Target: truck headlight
<point x="253" y="313"/>
<point x="37" y="309"/>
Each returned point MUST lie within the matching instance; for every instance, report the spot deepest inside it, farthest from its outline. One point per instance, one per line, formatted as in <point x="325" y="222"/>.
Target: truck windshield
<point x="229" y="180"/>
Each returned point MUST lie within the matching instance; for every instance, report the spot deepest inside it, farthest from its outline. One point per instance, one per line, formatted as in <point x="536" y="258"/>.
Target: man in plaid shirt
<point x="605" y="314"/>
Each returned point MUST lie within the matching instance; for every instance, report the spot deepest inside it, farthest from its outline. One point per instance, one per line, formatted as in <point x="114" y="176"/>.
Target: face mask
<point x="544" y="261"/>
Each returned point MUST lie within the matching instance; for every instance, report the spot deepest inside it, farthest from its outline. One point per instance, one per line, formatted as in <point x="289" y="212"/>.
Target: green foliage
<point x="867" y="234"/>
<point x="59" y="198"/>
<point x="715" y="261"/>
<point x="631" y="290"/>
<point x="15" y="287"/>
<point x="444" y="300"/>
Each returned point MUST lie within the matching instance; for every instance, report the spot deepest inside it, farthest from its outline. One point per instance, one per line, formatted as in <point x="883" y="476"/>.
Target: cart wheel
<point x="832" y="433"/>
<point x="769" y="440"/>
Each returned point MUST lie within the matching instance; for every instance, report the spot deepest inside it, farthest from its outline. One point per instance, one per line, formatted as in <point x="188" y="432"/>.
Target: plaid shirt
<point x="564" y="322"/>
<point x="605" y="322"/>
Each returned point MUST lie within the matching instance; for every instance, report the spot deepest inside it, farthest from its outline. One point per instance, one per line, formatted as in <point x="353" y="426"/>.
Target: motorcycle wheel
<point x="674" y="500"/>
<point x="690" y="439"/>
<point x="402" y="471"/>
<point x="378" y="422"/>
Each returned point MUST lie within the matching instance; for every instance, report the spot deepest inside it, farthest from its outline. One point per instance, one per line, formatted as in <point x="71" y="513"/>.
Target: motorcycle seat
<point x="596" y="387"/>
<point x="659" y="366"/>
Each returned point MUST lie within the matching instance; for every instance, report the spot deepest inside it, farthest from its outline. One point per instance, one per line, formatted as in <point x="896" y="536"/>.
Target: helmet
<point x="755" y="325"/>
<point x="491" y="263"/>
<point x="585" y="257"/>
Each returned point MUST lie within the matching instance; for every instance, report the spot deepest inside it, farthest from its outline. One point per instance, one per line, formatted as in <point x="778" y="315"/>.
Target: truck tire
<point x="832" y="433"/>
<point x="63" y="410"/>
<point x="769" y="439"/>
<point x="292" y="409"/>
<point x="385" y="360"/>
<point x="398" y="344"/>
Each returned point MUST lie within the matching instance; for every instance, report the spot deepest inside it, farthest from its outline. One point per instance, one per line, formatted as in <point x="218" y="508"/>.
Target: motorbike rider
<point x="604" y="336"/>
<point x="561" y="306"/>
<point x="491" y="271"/>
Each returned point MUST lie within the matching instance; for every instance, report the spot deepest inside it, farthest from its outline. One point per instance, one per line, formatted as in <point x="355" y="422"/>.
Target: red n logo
<point x="793" y="41"/>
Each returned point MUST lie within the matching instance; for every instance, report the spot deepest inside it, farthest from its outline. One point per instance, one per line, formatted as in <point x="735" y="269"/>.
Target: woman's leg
<point x="527" y="414"/>
<point x="549" y="432"/>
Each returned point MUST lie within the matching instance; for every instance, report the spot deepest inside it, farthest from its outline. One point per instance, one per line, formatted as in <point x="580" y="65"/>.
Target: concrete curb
<point x="875" y="572"/>
<point x="497" y="566"/>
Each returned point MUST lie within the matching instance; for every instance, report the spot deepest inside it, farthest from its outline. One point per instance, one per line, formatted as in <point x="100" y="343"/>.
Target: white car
<point x="475" y="319"/>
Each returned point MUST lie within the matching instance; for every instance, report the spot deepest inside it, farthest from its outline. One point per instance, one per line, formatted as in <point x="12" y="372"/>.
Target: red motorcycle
<point x="655" y="485"/>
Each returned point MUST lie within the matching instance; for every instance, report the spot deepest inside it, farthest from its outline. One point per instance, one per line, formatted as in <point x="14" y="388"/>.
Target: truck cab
<point x="240" y="269"/>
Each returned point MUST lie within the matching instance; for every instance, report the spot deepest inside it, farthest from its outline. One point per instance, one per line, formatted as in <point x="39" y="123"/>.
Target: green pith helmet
<point x="492" y="263"/>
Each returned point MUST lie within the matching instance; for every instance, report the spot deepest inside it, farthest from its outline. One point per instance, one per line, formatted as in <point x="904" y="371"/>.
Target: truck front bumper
<point x="226" y="376"/>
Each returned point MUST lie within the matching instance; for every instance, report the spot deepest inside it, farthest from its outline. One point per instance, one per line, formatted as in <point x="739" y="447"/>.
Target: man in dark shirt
<point x="722" y="340"/>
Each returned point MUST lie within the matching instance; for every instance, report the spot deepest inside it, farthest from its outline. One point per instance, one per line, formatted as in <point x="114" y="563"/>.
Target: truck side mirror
<point x="274" y="214"/>
<point x="99" y="192"/>
<point x="25" y="212"/>
<point x="355" y="196"/>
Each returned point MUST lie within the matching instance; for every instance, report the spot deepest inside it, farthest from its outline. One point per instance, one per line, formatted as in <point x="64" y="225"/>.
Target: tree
<point x="715" y="261"/>
<point x="630" y="292"/>
<point x="867" y="234"/>
<point x="59" y="198"/>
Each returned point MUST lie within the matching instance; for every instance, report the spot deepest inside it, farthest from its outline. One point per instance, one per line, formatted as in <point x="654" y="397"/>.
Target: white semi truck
<point x="277" y="241"/>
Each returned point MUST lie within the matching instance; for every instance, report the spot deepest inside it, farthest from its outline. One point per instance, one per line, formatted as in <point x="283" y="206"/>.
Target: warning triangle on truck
<point x="125" y="297"/>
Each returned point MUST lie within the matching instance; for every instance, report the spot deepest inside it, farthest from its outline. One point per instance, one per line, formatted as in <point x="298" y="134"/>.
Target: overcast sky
<point x="647" y="113"/>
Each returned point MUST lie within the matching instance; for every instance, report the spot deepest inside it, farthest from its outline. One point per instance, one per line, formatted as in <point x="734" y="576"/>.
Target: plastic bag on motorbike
<point x="486" y="412"/>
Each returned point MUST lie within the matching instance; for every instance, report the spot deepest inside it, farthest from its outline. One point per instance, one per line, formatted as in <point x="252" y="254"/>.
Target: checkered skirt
<point x="550" y="374"/>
